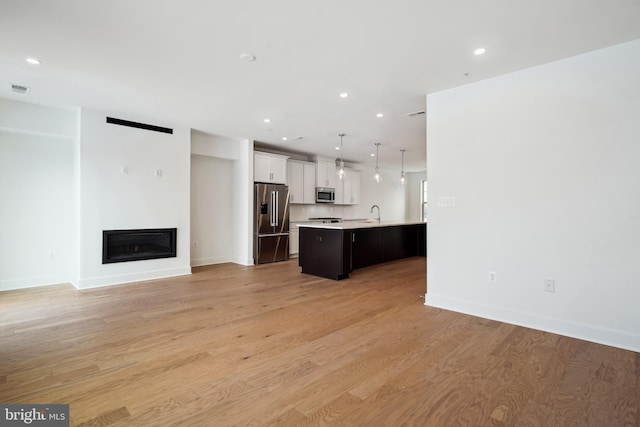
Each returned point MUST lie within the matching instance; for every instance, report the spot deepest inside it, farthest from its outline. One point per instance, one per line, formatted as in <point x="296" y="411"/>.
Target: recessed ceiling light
<point x="344" y="95"/>
<point x="338" y="148"/>
<point x="267" y="120"/>
<point x="284" y="138"/>
<point x="479" y="51"/>
<point x="372" y="154"/>
<point x="379" y="115"/>
<point x="247" y="57"/>
<point x="34" y="61"/>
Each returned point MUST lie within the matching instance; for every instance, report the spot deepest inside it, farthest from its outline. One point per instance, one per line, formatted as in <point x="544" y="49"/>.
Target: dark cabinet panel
<point x="322" y="253"/>
<point x="366" y="247"/>
<point x="399" y="242"/>
<point x="422" y="239"/>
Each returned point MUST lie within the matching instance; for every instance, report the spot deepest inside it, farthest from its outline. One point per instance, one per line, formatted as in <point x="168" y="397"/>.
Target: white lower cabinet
<point x="294" y="245"/>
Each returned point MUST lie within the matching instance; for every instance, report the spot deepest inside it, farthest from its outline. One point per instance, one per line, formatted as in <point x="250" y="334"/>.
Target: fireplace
<point x="137" y="245"/>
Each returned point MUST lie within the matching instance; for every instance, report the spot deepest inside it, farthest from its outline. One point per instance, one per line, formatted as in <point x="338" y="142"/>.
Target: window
<point x="423" y="199"/>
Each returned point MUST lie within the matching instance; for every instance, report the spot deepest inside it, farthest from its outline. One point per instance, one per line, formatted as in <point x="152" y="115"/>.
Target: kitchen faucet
<point x="376" y="206"/>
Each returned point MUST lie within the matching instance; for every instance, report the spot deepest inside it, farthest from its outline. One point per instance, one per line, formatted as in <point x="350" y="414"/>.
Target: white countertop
<point x="351" y="225"/>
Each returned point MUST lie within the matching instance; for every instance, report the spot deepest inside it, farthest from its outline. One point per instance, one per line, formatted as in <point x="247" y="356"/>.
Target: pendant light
<point x="341" y="168"/>
<point x="403" y="179"/>
<point x="377" y="176"/>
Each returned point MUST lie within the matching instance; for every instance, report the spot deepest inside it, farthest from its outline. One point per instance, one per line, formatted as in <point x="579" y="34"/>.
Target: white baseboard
<point x="98" y="282"/>
<point x="583" y="331"/>
<point x="245" y="262"/>
<point x="32" y="282"/>
<point x="209" y="261"/>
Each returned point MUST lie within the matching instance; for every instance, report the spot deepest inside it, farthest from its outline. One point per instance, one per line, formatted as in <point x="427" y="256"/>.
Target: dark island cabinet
<point x="335" y="252"/>
<point x="422" y="239"/>
<point x="366" y="247"/>
<point x="324" y="253"/>
<point x="370" y="246"/>
<point x="399" y="242"/>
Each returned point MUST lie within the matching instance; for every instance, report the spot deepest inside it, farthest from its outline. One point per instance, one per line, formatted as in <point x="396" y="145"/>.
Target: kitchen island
<point x="335" y="250"/>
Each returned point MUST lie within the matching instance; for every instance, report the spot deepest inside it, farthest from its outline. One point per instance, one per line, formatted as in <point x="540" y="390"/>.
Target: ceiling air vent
<point x="20" y="89"/>
<point x="416" y="113"/>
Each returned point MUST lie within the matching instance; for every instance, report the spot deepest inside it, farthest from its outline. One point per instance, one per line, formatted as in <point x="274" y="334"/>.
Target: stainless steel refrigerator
<point x="271" y="223"/>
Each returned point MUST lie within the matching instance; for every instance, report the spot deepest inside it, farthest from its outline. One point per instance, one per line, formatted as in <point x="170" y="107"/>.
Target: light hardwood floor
<point x="266" y="345"/>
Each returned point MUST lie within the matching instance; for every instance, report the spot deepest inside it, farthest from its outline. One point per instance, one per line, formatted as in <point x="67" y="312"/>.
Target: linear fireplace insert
<point x="136" y="245"/>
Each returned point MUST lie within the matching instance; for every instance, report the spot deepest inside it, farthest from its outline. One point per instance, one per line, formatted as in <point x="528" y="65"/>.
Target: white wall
<point x="543" y="165"/>
<point x="236" y="188"/>
<point x="211" y="210"/>
<point x="218" y="146"/>
<point x="63" y="185"/>
<point x="388" y="194"/>
<point x="110" y="199"/>
<point x="38" y="209"/>
<point x="21" y="117"/>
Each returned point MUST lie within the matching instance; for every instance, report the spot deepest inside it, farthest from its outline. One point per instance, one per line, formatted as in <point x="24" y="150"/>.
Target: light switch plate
<point x="446" y="202"/>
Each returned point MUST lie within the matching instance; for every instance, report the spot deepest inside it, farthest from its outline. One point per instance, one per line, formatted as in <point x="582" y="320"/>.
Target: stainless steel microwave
<point x="325" y="195"/>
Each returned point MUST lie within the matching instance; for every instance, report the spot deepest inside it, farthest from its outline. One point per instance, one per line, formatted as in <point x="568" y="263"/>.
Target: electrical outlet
<point x="549" y="285"/>
<point x="491" y="277"/>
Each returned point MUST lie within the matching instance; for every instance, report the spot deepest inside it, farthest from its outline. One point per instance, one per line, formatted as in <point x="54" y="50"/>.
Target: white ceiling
<point x="178" y="62"/>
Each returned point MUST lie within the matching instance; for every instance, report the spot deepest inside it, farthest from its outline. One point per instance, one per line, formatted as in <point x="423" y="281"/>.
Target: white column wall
<point x="243" y="204"/>
<point x="111" y="199"/>
<point x="543" y="166"/>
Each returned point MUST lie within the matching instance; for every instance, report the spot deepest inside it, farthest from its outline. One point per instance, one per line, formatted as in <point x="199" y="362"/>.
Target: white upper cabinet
<point x="340" y="190"/>
<point x="348" y="189"/>
<point x="309" y="173"/>
<point x="351" y="187"/>
<point x="295" y="176"/>
<point x="326" y="172"/>
<point x="301" y="178"/>
<point x="270" y="168"/>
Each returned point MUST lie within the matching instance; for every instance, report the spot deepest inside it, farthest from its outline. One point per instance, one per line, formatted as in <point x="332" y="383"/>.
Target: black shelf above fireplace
<point x="138" y="245"/>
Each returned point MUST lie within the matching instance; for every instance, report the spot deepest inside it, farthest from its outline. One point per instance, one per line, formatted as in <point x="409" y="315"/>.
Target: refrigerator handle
<point x="272" y="216"/>
<point x="277" y="207"/>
